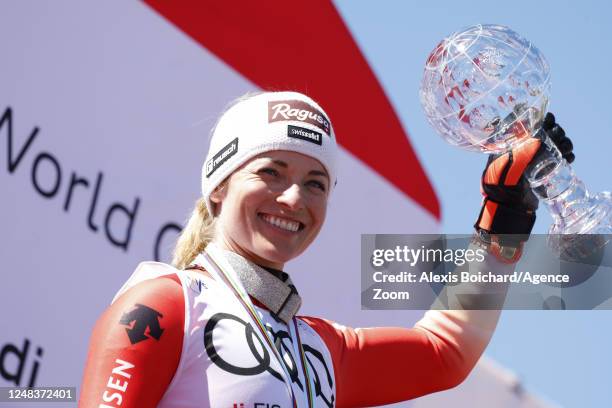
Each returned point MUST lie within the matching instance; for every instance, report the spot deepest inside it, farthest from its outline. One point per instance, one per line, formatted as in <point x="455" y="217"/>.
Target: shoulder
<point x="153" y="294"/>
<point x="150" y="305"/>
<point x="149" y="276"/>
<point x="164" y="291"/>
<point x="140" y="336"/>
<point x="333" y="334"/>
<point x="326" y="326"/>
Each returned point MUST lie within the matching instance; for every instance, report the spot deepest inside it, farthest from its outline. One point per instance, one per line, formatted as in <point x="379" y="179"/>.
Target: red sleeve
<point x="384" y="365"/>
<point x="135" y="347"/>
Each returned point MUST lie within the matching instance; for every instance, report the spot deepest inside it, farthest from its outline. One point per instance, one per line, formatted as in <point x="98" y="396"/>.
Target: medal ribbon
<point x="243" y="297"/>
<point x="300" y="352"/>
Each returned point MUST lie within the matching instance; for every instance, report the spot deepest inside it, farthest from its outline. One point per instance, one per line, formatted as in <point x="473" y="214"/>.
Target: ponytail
<point x="196" y="235"/>
<point x="200" y="228"/>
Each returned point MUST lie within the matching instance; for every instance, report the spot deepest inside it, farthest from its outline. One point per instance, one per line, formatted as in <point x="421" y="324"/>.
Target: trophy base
<point x="583" y="237"/>
<point x="594" y="216"/>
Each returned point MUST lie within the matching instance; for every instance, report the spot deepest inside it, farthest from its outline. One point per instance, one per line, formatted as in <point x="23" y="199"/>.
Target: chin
<point x="276" y="254"/>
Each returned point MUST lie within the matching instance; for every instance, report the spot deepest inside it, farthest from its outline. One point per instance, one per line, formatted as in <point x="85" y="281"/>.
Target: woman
<point x="219" y="329"/>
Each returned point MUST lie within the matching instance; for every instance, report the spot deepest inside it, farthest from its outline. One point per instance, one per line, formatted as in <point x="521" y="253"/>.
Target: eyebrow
<point x="311" y="172"/>
<point x="318" y="173"/>
<point x="280" y="163"/>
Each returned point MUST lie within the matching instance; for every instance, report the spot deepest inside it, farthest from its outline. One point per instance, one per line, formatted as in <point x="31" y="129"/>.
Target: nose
<point x="291" y="198"/>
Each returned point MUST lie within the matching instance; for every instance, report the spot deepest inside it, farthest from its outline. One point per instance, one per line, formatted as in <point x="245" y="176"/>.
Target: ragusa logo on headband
<point x="221" y="157"/>
<point x="298" y="111"/>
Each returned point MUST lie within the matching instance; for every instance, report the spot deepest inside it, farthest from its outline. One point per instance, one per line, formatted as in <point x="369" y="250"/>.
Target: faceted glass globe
<point x="485" y="88"/>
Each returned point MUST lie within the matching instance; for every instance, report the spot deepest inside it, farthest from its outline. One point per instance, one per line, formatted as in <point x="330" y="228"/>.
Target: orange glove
<point x="509" y="205"/>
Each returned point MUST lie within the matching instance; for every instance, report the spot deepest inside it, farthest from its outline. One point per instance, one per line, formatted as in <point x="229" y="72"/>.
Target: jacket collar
<point x="279" y="297"/>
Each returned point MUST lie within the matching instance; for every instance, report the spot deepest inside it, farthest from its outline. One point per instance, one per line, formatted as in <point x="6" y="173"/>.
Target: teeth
<point x="292" y="226"/>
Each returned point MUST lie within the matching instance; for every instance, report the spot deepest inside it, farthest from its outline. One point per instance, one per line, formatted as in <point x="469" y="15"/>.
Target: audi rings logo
<point x="250" y="337"/>
<point x="263" y="358"/>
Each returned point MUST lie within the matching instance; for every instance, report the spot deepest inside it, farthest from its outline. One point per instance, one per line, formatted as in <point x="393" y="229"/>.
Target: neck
<point x="262" y="283"/>
<point x="222" y="242"/>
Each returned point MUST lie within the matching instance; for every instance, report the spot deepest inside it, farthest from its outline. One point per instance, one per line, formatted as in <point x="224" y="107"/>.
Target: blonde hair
<point x="198" y="233"/>
<point x="200" y="228"/>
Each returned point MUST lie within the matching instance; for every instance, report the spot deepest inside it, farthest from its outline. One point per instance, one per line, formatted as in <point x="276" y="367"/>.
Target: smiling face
<point x="272" y="208"/>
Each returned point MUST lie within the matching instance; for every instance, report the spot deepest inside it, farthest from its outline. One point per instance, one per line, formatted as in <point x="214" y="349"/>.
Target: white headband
<point x="268" y="121"/>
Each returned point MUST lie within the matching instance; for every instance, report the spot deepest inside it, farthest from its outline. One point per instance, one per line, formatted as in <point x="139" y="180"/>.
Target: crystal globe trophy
<point x="486" y="88"/>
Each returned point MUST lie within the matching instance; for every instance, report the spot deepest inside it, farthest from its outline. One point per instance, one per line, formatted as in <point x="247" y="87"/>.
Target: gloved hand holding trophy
<point x="487" y="89"/>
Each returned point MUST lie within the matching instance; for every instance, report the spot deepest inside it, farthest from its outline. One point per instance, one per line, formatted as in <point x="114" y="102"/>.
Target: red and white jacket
<point x="179" y="338"/>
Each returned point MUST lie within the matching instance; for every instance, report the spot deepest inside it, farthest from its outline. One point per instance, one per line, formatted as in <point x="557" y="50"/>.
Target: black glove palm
<point x="509" y="204"/>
